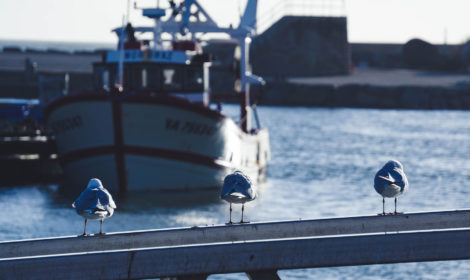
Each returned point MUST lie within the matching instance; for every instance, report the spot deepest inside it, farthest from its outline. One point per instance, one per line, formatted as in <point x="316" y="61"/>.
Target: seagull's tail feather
<point x="388" y="179"/>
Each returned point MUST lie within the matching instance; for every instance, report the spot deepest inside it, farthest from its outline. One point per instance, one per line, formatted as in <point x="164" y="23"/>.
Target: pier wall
<point x="302" y="46"/>
<point x="293" y="46"/>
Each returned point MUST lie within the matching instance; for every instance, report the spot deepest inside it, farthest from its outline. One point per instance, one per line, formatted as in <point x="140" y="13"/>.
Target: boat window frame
<point x="132" y="77"/>
<point x="153" y="76"/>
<point x="178" y="74"/>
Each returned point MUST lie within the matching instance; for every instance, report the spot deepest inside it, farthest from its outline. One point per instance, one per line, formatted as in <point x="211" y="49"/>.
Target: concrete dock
<point x="258" y="249"/>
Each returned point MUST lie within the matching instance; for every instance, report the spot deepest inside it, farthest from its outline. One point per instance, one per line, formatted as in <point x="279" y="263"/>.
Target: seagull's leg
<point x="243" y="208"/>
<point x="230" y="222"/>
<point x="84" y="230"/>
<point x="383" y="205"/>
<point x="101" y="226"/>
<point x="395" y="206"/>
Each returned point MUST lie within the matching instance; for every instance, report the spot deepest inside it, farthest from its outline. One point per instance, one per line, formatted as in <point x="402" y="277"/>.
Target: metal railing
<point x="196" y="252"/>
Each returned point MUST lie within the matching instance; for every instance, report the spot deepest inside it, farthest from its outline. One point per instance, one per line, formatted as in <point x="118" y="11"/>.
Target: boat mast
<point x="242" y="34"/>
<point x="157" y="35"/>
<point x="247" y="24"/>
<point x="119" y="84"/>
<point x="156" y="14"/>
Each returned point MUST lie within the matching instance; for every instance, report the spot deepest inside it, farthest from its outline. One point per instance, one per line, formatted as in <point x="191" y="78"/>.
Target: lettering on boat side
<point x="154" y="55"/>
<point x="178" y="57"/>
<point x="189" y="127"/>
<point x="67" y="124"/>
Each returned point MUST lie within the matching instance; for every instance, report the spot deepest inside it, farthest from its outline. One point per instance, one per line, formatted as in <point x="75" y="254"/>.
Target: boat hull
<point x="142" y="143"/>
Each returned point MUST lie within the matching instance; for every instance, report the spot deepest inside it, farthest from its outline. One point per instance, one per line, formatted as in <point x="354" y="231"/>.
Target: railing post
<point x="263" y="275"/>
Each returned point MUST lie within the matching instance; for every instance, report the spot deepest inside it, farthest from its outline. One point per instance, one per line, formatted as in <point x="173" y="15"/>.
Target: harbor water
<point x="323" y="165"/>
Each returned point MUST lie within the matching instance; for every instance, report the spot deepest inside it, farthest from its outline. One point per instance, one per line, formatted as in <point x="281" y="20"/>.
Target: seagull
<point x="237" y="188"/>
<point x="390" y="181"/>
<point x="95" y="203"/>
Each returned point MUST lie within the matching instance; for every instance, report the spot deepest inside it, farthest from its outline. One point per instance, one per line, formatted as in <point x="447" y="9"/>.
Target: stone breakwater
<point x="366" y="96"/>
<point x="369" y="88"/>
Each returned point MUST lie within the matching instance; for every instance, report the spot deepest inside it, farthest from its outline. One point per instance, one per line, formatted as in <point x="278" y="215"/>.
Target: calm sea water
<point x="323" y="164"/>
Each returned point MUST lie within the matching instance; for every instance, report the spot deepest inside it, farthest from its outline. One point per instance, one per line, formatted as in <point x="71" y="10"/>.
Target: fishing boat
<point x="149" y="123"/>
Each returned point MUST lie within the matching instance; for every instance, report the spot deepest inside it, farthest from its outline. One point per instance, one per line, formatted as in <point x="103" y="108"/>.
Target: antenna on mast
<point x="119" y="84"/>
<point x="128" y="10"/>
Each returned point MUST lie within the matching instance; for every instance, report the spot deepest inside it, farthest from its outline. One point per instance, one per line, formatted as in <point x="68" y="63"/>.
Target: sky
<point x="385" y="21"/>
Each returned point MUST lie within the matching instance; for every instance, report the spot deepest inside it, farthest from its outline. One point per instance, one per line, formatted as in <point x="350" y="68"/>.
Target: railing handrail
<point x="239" y="232"/>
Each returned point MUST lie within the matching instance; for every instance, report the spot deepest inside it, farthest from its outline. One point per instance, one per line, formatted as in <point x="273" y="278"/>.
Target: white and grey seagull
<point x="238" y="189"/>
<point x="390" y="181"/>
<point x="95" y="203"/>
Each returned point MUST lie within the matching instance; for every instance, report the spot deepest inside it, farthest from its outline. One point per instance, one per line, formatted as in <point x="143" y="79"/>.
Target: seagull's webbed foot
<point x="83" y="234"/>
<point x="244" y="222"/>
<point x="397" y="213"/>
<point x="101" y="233"/>
<point x="229" y="223"/>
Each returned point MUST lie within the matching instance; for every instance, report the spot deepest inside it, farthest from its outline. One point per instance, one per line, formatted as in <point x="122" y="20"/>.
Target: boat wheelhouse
<point x="177" y="73"/>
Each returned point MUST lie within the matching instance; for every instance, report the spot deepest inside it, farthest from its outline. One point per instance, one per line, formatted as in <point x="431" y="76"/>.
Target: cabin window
<point x="144" y="78"/>
<point x="104" y="76"/>
<point x="105" y="79"/>
<point x="193" y="79"/>
<point x="171" y="77"/>
<point x="168" y="75"/>
<point x="127" y="77"/>
<point x="153" y="77"/>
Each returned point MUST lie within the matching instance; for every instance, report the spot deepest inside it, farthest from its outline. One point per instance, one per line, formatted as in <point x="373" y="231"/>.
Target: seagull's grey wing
<point x="88" y="200"/>
<point x="111" y="200"/>
<point x="244" y="187"/>
<point x="105" y="198"/>
<point x="381" y="180"/>
<point x="399" y="178"/>
<point x="228" y="186"/>
<point x="251" y="193"/>
<point x="238" y="183"/>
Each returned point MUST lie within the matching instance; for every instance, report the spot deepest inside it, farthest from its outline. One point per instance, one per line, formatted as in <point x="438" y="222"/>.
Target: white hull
<point x="146" y="144"/>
